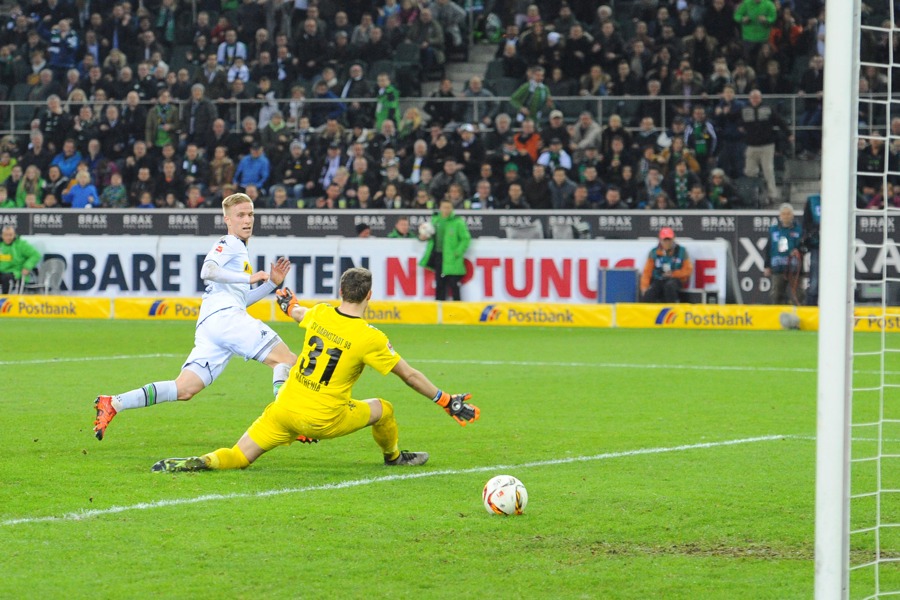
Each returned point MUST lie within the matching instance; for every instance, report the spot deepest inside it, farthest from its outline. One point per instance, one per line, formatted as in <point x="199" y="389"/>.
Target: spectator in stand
<point x="388" y="105"/>
<point x="469" y="151"/>
<point x="809" y="141"/>
<point x="697" y="199"/>
<point x="114" y="195"/>
<point x="221" y="172"/>
<point x="36" y="153"/>
<point x="727" y="116"/>
<point x="720" y="191"/>
<point x="443" y="106"/>
<point x="56" y="183"/>
<point x="702" y="140"/>
<point x="562" y="190"/>
<point x="253" y="169"/>
<point x="357" y="87"/>
<point x="68" y="159"/>
<point x="162" y="122"/>
<point x="483" y="198"/>
<point x="613" y="199"/>
<point x="17" y="259"/>
<point x="55" y="123"/>
<point x="527" y="141"/>
<point x="63" y="47"/>
<point x="759" y="123"/>
<point x="83" y="194"/>
<point x="536" y="189"/>
<point x="451" y="174"/>
<point x="532" y="99"/>
<point x="556" y="128"/>
<point x="514" y="66"/>
<point x="515" y="199"/>
<point x="197" y="117"/>
<point x="479" y="111"/>
<point x="586" y="132"/>
<point x="555" y="157"/>
<point x="428" y="35"/>
<point x="756" y="18"/>
<point x="142" y="185"/>
<point x="678" y="184"/>
<point x="667" y="270"/>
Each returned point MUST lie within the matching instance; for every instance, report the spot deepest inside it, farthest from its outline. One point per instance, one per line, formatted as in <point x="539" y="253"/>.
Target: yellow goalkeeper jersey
<point x="336" y="349"/>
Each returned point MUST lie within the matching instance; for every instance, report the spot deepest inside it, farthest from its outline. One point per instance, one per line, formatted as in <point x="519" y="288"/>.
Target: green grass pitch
<point x="617" y="434"/>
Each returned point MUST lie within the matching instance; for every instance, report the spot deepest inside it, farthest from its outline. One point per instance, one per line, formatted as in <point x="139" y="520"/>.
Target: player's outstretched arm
<point x="455" y="405"/>
<point x="288" y="304"/>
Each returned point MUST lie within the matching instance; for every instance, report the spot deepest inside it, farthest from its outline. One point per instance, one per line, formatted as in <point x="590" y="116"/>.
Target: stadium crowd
<point x="298" y="104"/>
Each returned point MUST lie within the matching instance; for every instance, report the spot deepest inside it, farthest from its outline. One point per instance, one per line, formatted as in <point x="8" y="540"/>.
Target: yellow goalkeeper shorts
<point x="278" y="426"/>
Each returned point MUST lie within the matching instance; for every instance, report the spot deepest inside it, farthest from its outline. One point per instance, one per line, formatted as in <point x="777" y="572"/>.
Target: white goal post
<point x="835" y="347"/>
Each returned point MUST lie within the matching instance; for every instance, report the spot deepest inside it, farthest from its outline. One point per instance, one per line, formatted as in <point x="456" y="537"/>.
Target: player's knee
<point x="387" y="409"/>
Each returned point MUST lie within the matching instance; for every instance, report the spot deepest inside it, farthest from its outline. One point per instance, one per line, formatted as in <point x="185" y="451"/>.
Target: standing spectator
<point x="197" y="117"/>
<point x="213" y="77"/>
<point x="760" y="122"/>
<point x="63" y="48"/>
<point x="310" y="49"/>
<point x="532" y="99"/>
<point x="17" y="259"/>
<point x="388" y="105"/>
<point x="727" y="118"/>
<point x="450" y="16"/>
<point x="231" y="49"/>
<point x="783" y="258"/>
<point x="701" y="138"/>
<point x="585" y="133"/>
<point x="445" y="250"/>
<point x="55" y="123"/>
<point x="809" y="141"/>
<point x="428" y="35"/>
<point x="536" y="189"/>
<point x="162" y="122"/>
<point x="756" y="18"/>
<point x="356" y="87"/>
<point x="666" y="271"/>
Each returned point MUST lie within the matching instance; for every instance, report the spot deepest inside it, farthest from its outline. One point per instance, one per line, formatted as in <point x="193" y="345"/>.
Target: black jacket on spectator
<point x="135" y="123"/>
<point x="56" y="127"/>
<point x="41" y="159"/>
<point x="202" y="114"/>
<point x="759" y="125"/>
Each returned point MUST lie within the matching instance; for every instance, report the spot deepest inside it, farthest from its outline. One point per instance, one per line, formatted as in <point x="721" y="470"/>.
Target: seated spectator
<point x="514" y="199"/>
<point x="720" y="192"/>
<point x="83" y="194"/>
<point x="17" y="259"/>
<point x="536" y="188"/>
<point x="114" y="195"/>
<point x="443" y="106"/>
<point x="678" y="184"/>
<point x="253" y="169"/>
<point x="562" y="189"/>
<point x="68" y="159"/>
<point x="612" y="199"/>
<point x="427" y="33"/>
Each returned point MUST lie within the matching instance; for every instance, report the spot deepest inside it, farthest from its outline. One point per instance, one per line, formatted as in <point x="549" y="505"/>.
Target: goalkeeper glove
<point x="286" y="300"/>
<point x="455" y="405"/>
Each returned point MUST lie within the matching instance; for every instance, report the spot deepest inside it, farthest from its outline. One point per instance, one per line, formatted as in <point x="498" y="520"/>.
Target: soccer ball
<point x="426" y="230"/>
<point x="504" y="495"/>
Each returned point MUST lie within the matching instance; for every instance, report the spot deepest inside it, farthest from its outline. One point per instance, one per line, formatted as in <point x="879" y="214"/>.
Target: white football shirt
<point x="230" y="254"/>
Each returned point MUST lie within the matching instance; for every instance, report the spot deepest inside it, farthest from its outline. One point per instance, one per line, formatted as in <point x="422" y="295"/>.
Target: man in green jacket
<point x="755" y="18"/>
<point x="532" y="99"/>
<point x="445" y="250"/>
<point x="17" y="259"/>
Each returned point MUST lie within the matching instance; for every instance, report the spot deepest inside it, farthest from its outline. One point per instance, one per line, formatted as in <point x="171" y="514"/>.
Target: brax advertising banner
<point x="745" y="231"/>
<point x="564" y="271"/>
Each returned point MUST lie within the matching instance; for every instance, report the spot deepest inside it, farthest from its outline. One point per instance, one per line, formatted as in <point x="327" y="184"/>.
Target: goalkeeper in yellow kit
<point x="315" y="400"/>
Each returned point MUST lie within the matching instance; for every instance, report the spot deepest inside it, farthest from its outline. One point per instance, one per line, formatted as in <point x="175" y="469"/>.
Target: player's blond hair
<point x="234" y="200"/>
<point x="356" y="284"/>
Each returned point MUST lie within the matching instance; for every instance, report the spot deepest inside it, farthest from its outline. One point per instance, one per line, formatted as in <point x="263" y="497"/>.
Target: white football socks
<point x="150" y="394"/>
<point x="279" y="376"/>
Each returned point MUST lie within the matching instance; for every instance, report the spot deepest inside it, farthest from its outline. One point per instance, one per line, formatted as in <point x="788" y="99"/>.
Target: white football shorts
<point x="224" y="334"/>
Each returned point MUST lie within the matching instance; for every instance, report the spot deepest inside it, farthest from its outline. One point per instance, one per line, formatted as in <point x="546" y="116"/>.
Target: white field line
<point x="491" y="363"/>
<point x="87" y="514"/>
<point x="509" y="363"/>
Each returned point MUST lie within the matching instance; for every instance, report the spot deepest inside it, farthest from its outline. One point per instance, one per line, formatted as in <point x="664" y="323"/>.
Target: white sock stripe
<point x="87" y="514"/>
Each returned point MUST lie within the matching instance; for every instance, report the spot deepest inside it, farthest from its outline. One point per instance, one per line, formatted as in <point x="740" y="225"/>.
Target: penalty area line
<point x="46" y="361"/>
<point x="88" y="514"/>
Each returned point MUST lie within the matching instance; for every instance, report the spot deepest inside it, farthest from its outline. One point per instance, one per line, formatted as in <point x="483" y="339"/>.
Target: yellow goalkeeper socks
<point x="385" y="432"/>
<point x="227" y="458"/>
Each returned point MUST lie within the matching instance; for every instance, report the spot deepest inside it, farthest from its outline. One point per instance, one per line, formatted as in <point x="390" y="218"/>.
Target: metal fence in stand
<point x="18" y="117"/>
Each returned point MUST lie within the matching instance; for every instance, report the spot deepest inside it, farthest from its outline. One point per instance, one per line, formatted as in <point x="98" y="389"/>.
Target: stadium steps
<point x="803" y="178"/>
<point x="460" y="73"/>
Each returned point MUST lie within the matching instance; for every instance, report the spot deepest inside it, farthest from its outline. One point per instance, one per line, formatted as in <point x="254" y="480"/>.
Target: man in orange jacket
<point x="667" y="270"/>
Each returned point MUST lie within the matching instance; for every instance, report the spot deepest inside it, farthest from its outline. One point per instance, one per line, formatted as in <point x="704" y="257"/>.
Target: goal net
<point x="858" y="430"/>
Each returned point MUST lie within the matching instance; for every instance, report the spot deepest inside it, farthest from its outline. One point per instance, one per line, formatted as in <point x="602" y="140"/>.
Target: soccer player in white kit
<point x="224" y="328"/>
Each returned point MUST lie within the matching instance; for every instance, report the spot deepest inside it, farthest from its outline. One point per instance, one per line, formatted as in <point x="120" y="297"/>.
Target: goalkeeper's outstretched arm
<point x="454" y="405"/>
<point x="287" y="302"/>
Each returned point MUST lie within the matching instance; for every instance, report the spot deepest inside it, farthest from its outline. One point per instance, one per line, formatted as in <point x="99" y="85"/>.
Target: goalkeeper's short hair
<point x="356" y="284"/>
